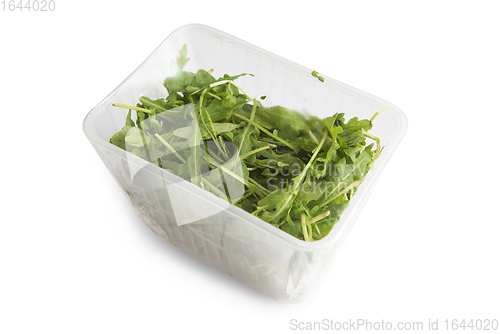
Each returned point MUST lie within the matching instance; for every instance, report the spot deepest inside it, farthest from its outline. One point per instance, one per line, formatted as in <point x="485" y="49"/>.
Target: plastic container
<point x="206" y="226"/>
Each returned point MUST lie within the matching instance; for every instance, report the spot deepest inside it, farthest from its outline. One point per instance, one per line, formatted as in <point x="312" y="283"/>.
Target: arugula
<point x="316" y="75"/>
<point x="299" y="172"/>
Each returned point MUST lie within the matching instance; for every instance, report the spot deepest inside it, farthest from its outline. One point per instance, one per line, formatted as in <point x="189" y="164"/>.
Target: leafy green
<point x="299" y="172"/>
<point x="118" y="139"/>
<point x="135" y="137"/>
<point x="316" y="75"/>
<point x="182" y="59"/>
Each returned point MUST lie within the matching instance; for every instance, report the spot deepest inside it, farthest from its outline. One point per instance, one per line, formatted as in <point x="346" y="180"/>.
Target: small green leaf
<point x="118" y="139"/>
<point x="184" y="132"/>
<point x="182" y="59"/>
<point x="160" y="104"/>
<point x="316" y="75"/>
<point x="135" y="137"/>
<point x="354" y="124"/>
<point x="129" y="121"/>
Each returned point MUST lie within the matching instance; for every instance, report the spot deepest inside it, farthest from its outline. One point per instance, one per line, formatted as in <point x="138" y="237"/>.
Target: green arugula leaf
<point x="290" y="123"/>
<point x="182" y="59"/>
<point x="354" y="124"/>
<point x="135" y="137"/>
<point x="129" y="121"/>
<point x="118" y="139"/>
<point x="316" y="75"/>
<point x="180" y="82"/>
<point x="196" y="162"/>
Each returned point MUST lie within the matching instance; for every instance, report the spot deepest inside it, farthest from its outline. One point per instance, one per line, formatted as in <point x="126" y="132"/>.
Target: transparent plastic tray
<point x="249" y="249"/>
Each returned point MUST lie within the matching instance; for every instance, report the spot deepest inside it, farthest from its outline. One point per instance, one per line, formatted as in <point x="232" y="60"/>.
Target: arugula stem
<point x="214" y="96"/>
<point x="254" y="107"/>
<point x="126" y="106"/>
<point x="215" y="190"/>
<point x="241" y="89"/>
<point x="197" y="91"/>
<point x="224" y="184"/>
<point x="210" y="130"/>
<point x="313" y="136"/>
<point x="150" y="104"/>
<point x="319" y="217"/>
<point x="379" y="149"/>
<point x="241" y="158"/>
<point x="246" y="155"/>
<point x="304" y="228"/>
<point x="317" y="229"/>
<point x="259" y="186"/>
<point x="259" y="209"/>
<point x="207" y="155"/>
<point x="218" y="83"/>
<point x="267" y="132"/>
<point x="248" y="194"/>
<point x="213" y="155"/>
<point x="271" y="145"/>
<point x="316" y="151"/>
<point x="170" y="148"/>
<point x="250" y="183"/>
<point x="349" y="187"/>
<point x="262" y="107"/>
<point x="378" y="113"/>
<point x="200" y="107"/>
<point x="156" y="159"/>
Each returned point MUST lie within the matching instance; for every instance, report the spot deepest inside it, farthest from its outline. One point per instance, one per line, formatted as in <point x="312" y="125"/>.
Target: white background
<point x="75" y="257"/>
